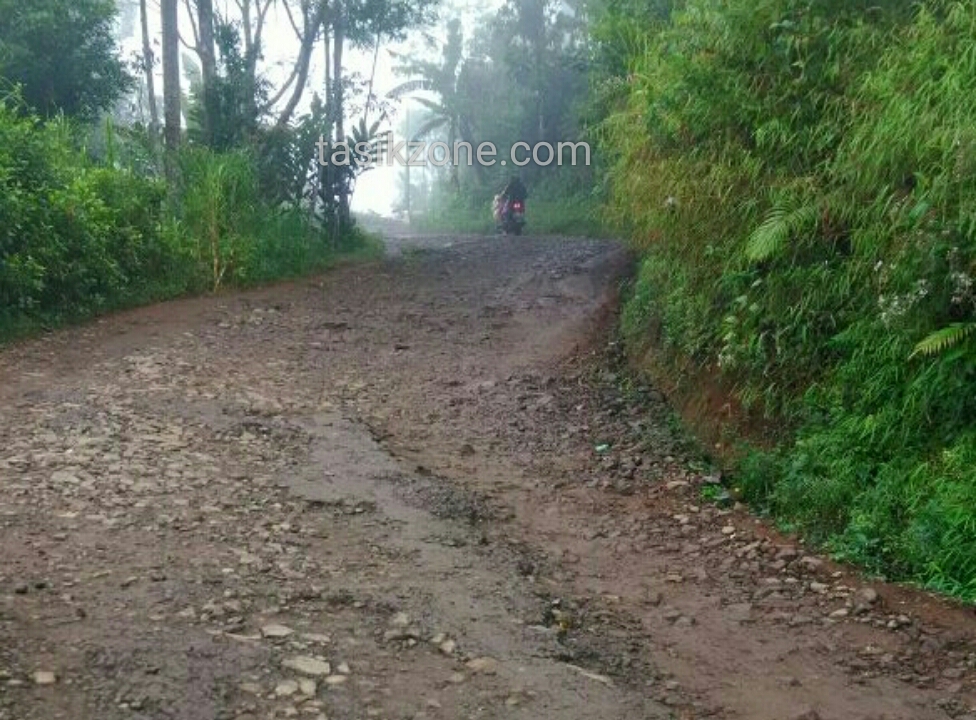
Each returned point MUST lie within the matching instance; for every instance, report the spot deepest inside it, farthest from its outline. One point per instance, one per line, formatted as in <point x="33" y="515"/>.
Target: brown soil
<point x="428" y="474"/>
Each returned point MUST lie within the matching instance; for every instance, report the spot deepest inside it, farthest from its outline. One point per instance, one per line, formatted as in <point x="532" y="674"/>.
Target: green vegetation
<point x="79" y="236"/>
<point x="521" y="76"/>
<point x="95" y="214"/>
<point x="62" y="54"/>
<point x="799" y="176"/>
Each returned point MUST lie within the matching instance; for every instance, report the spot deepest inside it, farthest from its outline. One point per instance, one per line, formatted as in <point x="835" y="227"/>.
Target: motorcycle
<point x="509" y="215"/>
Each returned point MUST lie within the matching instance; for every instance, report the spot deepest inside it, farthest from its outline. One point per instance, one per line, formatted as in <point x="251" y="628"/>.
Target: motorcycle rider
<point x="514" y="192"/>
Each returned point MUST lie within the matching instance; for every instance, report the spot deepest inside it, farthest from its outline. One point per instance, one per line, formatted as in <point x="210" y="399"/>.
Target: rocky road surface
<point x="416" y="488"/>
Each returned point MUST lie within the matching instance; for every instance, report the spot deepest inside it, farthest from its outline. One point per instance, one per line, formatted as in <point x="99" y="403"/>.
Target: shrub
<point x="80" y="236"/>
<point x="74" y="238"/>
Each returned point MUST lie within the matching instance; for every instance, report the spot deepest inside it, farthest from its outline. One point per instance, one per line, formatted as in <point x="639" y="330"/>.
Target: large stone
<point x="286" y="688"/>
<point x="276" y="631"/>
<point x="45" y="677"/>
<point x="307" y="665"/>
<point x="484" y="665"/>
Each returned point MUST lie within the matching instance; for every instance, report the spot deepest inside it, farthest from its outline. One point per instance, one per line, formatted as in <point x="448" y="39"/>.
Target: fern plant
<point x="785" y="221"/>
<point x="944" y="339"/>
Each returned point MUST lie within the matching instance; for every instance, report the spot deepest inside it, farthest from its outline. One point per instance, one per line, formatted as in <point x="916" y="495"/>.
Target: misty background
<point x="403" y="74"/>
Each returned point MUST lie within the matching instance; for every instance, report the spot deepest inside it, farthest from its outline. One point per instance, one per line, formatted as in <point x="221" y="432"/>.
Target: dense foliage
<point x="799" y="175"/>
<point x="62" y="55"/>
<point x="80" y="235"/>
<point x="74" y="237"/>
<point x="89" y="221"/>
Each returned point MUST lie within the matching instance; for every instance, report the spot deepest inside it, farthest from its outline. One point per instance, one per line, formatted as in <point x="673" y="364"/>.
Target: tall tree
<point x="313" y="15"/>
<point x="338" y="106"/>
<point x="149" y="67"/>
<point x="63" y="54"/>
<point x="449" y="113"/>
<point x="363" y="23"/>
<point x="171" y="77"/>
<point x="208" y="61"/>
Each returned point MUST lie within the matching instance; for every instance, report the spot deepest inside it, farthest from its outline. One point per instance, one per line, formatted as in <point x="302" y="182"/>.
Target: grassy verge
<point x="296" y="262"/>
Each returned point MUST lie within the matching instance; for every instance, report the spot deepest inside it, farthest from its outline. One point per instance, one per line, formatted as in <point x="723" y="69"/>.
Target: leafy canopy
<point x="63" y="54"/>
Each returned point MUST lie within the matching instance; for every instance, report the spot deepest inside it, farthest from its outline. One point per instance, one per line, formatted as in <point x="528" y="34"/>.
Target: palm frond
<point x="433" y="106"/>
<point x="430" y="126"/>
<point x="410" y="86"/>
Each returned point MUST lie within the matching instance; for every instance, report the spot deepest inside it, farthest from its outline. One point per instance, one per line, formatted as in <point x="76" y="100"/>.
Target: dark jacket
<point x="515" y="190"/>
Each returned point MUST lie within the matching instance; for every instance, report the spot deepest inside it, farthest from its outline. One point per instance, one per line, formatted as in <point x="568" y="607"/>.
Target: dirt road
<point x="417" y="488"/>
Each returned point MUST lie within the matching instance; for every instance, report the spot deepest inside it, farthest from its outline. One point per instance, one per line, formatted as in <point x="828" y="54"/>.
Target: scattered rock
<point x="868" y="596"/>
<point x="276" y="631"/>
<point x="307" y="686"/>
<point x="286" y="688"/>
<point x="787" y="553"/>
<point x="307" y="665"/>
<point x="64" y="477"/>
<point x="45" y="677"/>
<point x="483" y="665"/>
<point x="592" y="675"/>
<point x="740" y="612"/>
<point x="811" y="563"/>
<point x="448" y="647"/>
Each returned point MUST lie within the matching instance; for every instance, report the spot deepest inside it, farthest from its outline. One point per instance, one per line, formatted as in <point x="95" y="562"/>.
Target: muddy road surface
<point x="415" y="488"/>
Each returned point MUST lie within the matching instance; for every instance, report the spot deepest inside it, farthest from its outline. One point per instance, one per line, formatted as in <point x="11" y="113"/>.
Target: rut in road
<point x="375" y="494"/>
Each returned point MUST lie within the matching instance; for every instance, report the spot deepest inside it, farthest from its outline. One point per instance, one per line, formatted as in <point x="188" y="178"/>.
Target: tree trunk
<point x="337" y="106"/>
<point x="313" y="22"/>
<point x="171" y="80"/>
<point x="208" y="67"/>
<point x="148" y="60"/>
<point x="328" y="84"/>
<point x="372" y="78"/>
